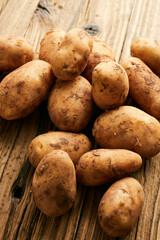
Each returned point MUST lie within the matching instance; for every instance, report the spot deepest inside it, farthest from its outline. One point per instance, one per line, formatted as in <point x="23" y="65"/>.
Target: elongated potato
<point x="70" y="104"/>
<point x="128" y="128"/>
<point x="120" y="207"/>
<point x="148" y="51"/>
<point x="24" y="89"/>
<point x="14" y="52"/>
<point x="54" y="184"/>
<point x="49" y="44"/>
<point x="74" y="144"/>
<point x="70" y="58"/>
<point x="110" y="85"/>
<point x="100" y="166"/>
<point x="144" y="85"/>
<point x="101" y="52"/>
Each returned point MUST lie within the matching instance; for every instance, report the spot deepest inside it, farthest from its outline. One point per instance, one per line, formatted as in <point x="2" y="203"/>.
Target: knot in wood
<point x="92" y="29"/>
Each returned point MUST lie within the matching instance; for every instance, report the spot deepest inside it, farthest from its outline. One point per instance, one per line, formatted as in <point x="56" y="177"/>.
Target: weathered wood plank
<point x="144" y="22"/>
<point x="18" y="14"/>
<point x="3" y="5"/>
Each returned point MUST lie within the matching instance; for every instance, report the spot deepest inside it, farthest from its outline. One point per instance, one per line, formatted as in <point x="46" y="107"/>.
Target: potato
<point x="120" y="207"/>
<point x="128" y="128"/>
<point x="74" y="144"/>
<point x="54" y="184"/>
<point x="100" y="166"/>
<point x="23" y="90"/>
<point x="148" y="51"/>
<point x="70" y="104"/>
<point x="70" y="58"/>
<point x="110" y="85"/>
<point x="14" y="52"/>
<point x="49" y="44"/>
<point x="101" y="51"/>
<point x="144" y="85"/>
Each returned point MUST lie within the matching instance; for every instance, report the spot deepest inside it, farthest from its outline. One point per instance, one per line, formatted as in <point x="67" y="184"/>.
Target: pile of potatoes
<point x="81" y="75"/>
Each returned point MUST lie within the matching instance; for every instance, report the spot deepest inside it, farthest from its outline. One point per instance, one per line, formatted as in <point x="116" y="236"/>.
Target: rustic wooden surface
<point x="118" y="21"/>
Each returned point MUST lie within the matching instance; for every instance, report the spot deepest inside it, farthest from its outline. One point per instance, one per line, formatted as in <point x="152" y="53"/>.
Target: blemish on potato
<point x="60" y="187"/>
<point x="47" y="192"/>
<point x="96" y="153"/>
<point x="116" y="171"/>
<point x="97" y="55"/>
<point x="40" y="145"/>
<point x="121" y="204"/>
<point x="149" y="80"/>
<point x="83" y="165"/>
<point x="38" y="90"/>
<point x="107" y="220"/>
<point x="64" y="141"/>
<point x="65" y="66"/>
<point x="138" y="143"/>
<point x="109" y="162"/>
<point x="76" y="147"/>
<point x="130" y="212"/>
<point x="40" y="171"/>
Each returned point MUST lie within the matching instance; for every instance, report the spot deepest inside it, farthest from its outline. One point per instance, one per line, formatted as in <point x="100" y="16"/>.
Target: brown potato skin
<point x="49" y="44"/>
<point x="120" y="207"/>
<point x="101" y="52"/>
<point x="144" y="85"/>
<point x="110" y="85"/>
<point x="129" y="128"/>
<point x="70" y="104"/>
<point x="74" y="144"/>
<point x="70" y="58"/>
<point x="54" y="184"/>
<point x="14" y="52"/>
<point x="101" y="166"/>
<point x="148" y="51"/>
<point x="24" y="89"/>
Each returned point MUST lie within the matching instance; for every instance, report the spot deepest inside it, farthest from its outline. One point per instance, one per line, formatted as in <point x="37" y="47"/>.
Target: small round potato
<point x="49" y="44"/>
<point x="129" y="128"/>
<point x="22" y="90"/>
<point x="120" y="207"/>
<point x="148" y="51"/>
<point x="144" y="85"/>
<point x="70" y="58"/>
<point x="110" y="85"/>
<point x="14" y="52"/>
<point x="70" y="104"/>
<point x="101" y="51"/>
<point x="54" y="184"/>
<point x="100" y="166"/>
<point x="74" y="144"/>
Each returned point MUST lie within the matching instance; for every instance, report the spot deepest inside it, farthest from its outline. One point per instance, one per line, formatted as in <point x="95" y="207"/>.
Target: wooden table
<point x="118" y="22"/>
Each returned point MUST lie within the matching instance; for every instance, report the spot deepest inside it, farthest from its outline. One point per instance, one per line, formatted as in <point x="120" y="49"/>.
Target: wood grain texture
<point x="143" y="22"/>
<point x="118" y="22"/>
<point x="17" y="15"/>
<point x="3" y="5"/>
